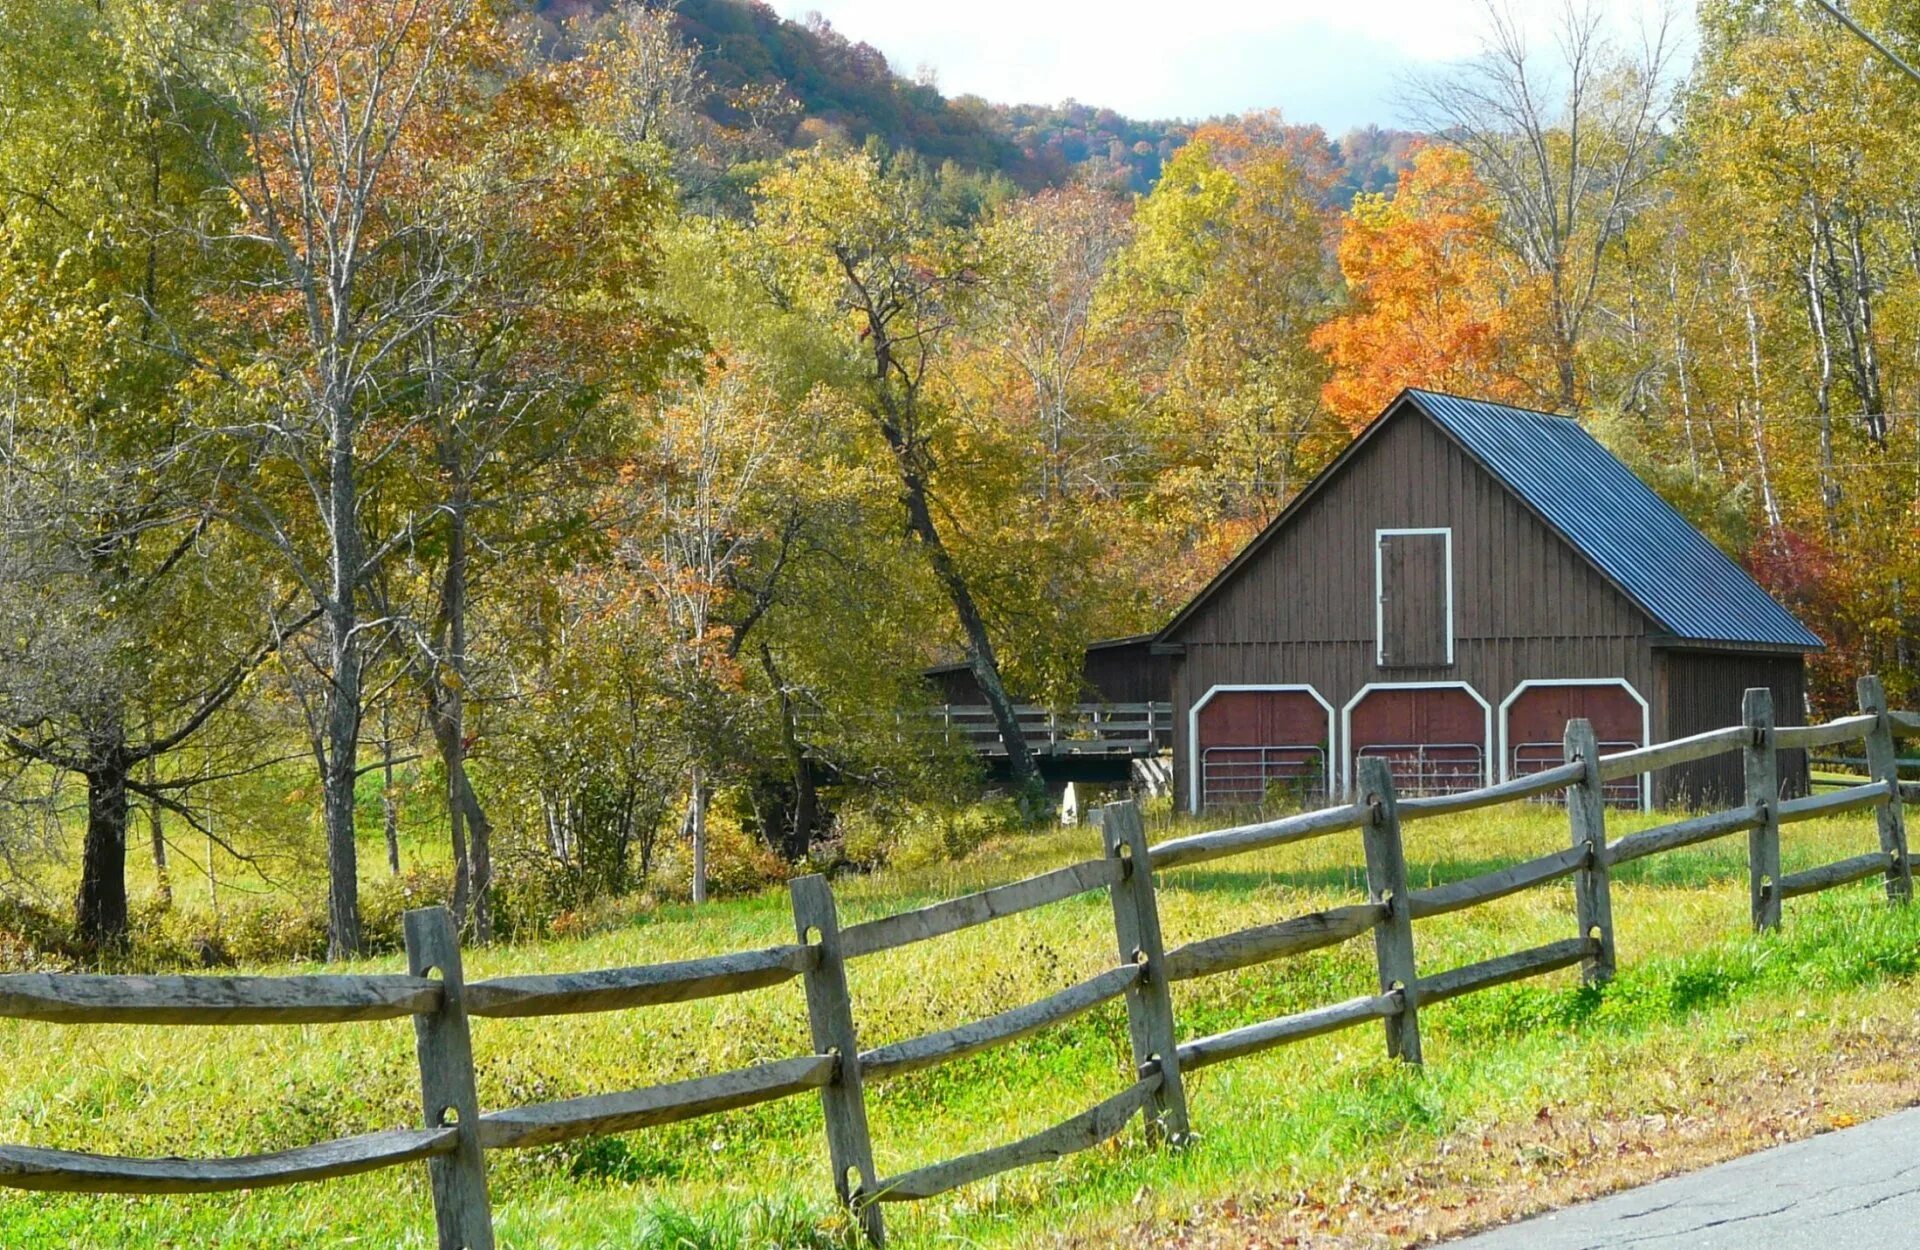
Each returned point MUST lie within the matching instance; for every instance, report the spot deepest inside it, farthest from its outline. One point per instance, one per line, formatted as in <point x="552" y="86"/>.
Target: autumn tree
<point x="1430" y="303"/>
<point x="134" y="618"/>
<point x="1791" y="283"/>
<point x="520" y="383"/>
<point x="1226" y="278"/>
<point x="859" y="238"/>
<point x="340" y="180"/>
<point x="827" y="608"/>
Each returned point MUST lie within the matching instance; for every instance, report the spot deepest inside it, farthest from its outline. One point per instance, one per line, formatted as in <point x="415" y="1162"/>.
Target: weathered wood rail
<point x="456" y="1134"/>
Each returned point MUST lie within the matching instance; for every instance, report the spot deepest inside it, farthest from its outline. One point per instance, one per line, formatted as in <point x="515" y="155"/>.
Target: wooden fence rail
<point x="456" y="1134"/>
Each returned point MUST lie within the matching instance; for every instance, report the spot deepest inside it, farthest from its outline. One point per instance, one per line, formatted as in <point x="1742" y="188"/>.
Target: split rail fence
<point x="457" y="1135"/>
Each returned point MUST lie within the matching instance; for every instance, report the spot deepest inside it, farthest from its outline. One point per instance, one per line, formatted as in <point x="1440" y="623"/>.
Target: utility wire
<point x="1861" y="31"/>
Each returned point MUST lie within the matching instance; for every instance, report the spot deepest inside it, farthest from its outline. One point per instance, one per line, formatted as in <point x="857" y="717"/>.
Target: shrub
<point x="915" y="835"/>
<point x="276" y="930"/>
<point x="737" y="861"/>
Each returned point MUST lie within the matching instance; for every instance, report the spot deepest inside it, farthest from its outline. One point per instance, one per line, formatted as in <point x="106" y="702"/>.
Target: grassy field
<point x="1696" y="992"/>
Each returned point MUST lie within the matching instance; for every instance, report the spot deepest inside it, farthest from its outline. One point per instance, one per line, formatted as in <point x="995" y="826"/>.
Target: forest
<point x="604" y="438"/>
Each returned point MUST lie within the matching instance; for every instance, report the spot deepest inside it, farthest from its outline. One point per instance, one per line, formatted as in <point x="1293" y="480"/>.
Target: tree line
<point x="385" y="371"/>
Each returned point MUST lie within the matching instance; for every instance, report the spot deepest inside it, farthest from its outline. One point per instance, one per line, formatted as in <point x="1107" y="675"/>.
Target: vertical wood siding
<point x="1121" y="672"/>
<point x="1127" y="673"/>
<point x="1702" y="690"/>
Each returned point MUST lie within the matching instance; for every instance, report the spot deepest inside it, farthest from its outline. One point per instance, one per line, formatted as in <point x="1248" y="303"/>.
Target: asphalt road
<point x="1859" y="1187"/>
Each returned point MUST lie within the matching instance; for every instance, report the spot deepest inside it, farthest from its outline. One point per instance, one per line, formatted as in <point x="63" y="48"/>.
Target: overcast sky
<point x="1334" y="62"/>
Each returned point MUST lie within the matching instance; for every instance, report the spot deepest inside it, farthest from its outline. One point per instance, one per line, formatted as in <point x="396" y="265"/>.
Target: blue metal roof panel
<point x="1681" y="579"/>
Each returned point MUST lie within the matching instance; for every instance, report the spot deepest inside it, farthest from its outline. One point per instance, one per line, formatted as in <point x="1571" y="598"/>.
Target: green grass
<point x="1694" y="986"/>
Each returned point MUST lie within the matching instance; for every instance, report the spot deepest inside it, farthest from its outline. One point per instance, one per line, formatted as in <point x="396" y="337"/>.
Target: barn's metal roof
<point x="1631" y="535"/>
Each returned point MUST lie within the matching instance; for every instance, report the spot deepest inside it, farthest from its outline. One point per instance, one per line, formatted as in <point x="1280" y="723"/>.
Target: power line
<point x="1861" y="31"/>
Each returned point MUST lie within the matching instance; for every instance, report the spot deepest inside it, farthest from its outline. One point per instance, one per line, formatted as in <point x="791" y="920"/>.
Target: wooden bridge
<point x="1117" y="730"/>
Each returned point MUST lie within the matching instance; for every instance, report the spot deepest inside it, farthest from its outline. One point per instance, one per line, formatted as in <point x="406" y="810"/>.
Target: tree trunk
<point x="981" y="660"/>
<point x="342" y="739"/>
<point x="389" y="801"/>
<point x="697" y="831"/>
<point x="1565" y="343"/>
<point x="463" y="806"/>
<point x="1823" y="393"/>
<point x="341" y="709"/>
<point x="806" y="797"/>
<point x="480" y="853"/>
<point x="806" y="808"/>
<point x="1872" y="398"/>
<point x="100" y="910"/>
<point x="157" y="839"/>
<point x="1770" y="503"/>
<point x="472" y="832"/>
<point x="897" y="419"/>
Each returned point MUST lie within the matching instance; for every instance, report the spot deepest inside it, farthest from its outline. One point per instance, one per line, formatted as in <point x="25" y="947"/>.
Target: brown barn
<point x="1463" y="579"/>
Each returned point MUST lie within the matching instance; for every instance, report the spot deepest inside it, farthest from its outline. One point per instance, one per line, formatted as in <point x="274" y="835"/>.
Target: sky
<point x="1337" y="63"/>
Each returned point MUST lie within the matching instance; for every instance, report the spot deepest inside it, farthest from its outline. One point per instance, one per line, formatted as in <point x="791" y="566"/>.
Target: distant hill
<point x="847" y="88"/>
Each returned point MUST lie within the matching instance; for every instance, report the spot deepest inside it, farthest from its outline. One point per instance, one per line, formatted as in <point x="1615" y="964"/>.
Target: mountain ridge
<point x="847" y="90"/>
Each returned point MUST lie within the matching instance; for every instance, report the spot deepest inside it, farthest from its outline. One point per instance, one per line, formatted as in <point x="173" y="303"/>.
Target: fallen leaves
<point x="1565" y="1153"/>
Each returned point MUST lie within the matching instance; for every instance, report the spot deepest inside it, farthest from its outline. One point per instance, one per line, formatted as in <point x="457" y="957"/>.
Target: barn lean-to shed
<point x="1114" y="670"/>
<point x="1459" y="582"/>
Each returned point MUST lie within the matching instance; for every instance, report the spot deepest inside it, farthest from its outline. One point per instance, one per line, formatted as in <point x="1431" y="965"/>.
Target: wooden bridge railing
<point x="456" y="1134"/>
<point x="1082" y="729"/>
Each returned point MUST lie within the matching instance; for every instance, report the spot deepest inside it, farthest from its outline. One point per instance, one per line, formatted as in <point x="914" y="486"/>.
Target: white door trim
<point x="1193" y="728"/>
<point x="1646" y="721"/>
<point x="1347" y="768"/>
<point x="1379" y="590"/>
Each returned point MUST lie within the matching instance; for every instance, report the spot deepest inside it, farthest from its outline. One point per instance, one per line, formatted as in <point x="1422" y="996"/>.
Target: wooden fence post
<point x="1387" y="884"/>
<point x="1883" y="765"/>
<point x="445" y="1048"/>
<point x="1136" y="923"/>
<point x="1763" y="792"/>
<point x="843" y="1100"/>
<point x="1592" y="885"/>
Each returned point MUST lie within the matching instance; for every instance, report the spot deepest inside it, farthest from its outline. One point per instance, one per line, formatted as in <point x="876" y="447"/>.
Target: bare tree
<point x="713" y="449"/>
<point x="333" y="113"/>
<point x="1567" y="144"/>
<point x="1041" y="317"/>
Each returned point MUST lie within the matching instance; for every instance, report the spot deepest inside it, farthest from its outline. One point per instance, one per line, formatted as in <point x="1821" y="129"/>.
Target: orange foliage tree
<point x="1431" y="305"/>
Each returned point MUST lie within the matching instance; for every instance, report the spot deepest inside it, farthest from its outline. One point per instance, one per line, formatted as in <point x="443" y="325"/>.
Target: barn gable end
<point x="1313" y="576"/>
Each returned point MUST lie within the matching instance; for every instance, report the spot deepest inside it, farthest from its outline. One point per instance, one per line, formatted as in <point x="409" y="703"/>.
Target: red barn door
<point x="1536" y="717"/>
<point x="1250" y="742"/>
<point x="1434" y="737"/>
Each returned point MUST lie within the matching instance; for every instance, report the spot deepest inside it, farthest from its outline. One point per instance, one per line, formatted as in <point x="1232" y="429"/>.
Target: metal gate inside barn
<point x="1534" y="718"/>
<point x="1433" y="735"/>
<point x="1256" y="743"/>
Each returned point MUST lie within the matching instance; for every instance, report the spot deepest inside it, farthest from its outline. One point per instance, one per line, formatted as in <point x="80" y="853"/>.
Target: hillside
<point x="845" y="87"/>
